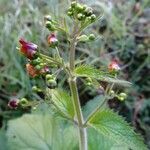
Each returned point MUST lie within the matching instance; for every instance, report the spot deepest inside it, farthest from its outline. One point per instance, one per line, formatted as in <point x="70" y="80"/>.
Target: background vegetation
<point x="124" y="35"/>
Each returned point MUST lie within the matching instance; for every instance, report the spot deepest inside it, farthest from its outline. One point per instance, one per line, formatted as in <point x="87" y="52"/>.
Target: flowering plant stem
<point x="74" y="93"/>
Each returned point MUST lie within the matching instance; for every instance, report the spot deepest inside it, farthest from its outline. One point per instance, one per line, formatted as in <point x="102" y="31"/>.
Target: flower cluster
<point x="36" y="65"/>
<point x="81" y="12"/>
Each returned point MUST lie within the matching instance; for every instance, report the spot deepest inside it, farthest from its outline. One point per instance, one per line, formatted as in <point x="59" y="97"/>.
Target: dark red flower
<point x="52" y="40"/>
<point x="113" y="66"/>
<point x="27" y="48"/>
<point x="13" y="103"/>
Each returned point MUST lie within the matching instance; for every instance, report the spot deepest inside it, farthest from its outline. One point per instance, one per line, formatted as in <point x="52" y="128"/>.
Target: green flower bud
<point x="89" y="19"/>
<point x="70" y="9"/>
<point x="112" y="92"/>
<point x="80" y="16"/>
<point x="84" y="7"/>
<point x="124" y="95"/>
<point x="36" y="61"/>
<point x="50" y="26"/>
<point x="79" y="7"/>
<point x="83" y="38"/>
<point x="70" y="13"/>
<point x="91" y="37"/>
<point x="23" y="102"/>
<point x="73" y="4"/>
<point x="49" y="76"/>
<point x="38" y="67"/>
<point x="51" y="83"/>
<point x="120" y="98"/>
<point x="88" y="11"/>
<point x="34" y="88"/>
<point x="42" y="64"/>
<point x="93" y="17"/>
<point x="47" y="18"/>
<point x="88" y="83"/>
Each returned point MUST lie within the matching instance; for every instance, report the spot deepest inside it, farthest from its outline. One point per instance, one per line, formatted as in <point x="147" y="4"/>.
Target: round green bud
<point x="83" y="38"/>
<point x="123" y="95"/>
<point x="80" y="16"/>
<point x="93" y="17"/>
<point x="73" y="4"/>
<point x="70" y="13"/>
<point x="70" y="9"/>
<point x="84" y="7"/>
<point x="89" y="19"/>
<point x="34" y="89"/>
<point x="88" y="83"/>
<point x="48" y="24"/>
<point x="42" y="64"/>
<point x="121" y="98"/>
<point x="91" y="37"/>
<point x="36" y="61"/>
<point x="34" y="108"/>
<point x="112" y="92"/>
<point x="47" y="18"/>
<point x="51" y="83"/>
<point x="49" y="76"/>
<point x="23" y="101"/>
<point x="38" y="67"/>
<point x="79" y="7"/>
<point x="88" y="11"/>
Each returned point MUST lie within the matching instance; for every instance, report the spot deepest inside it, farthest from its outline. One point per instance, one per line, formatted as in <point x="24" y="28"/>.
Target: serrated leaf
<point x="89" y="71"/>
<point x="114" y="127"/>
<point x="100" y="142"/>
<point x="62" y="100"/>
<point x="92" y="104"/>
<point x="41" y="132"/>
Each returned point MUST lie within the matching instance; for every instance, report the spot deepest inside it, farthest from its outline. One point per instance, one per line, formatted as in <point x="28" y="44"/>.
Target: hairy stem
<point x="74" y="92"/>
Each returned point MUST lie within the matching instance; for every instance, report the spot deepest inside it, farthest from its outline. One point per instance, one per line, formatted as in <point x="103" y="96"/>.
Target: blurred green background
<point x="124" y="33"/>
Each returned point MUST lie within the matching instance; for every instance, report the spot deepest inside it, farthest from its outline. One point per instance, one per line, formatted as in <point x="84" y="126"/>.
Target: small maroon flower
<point x="52" y="40"/>
<point x="13" y="103"/>
<point x="113" y="66"/>
<point x="27" y="48"/>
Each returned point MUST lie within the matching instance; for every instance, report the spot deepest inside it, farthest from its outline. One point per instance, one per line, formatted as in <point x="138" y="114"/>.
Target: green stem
<point x="74" y="92"/>
<point x="77" y="107"/>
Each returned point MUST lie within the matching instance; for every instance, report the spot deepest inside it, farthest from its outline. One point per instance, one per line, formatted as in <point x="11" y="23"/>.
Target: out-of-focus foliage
<point x="123" y="34"/>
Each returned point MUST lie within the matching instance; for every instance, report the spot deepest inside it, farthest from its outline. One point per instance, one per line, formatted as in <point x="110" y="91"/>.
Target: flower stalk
<point x="74" y="93"/>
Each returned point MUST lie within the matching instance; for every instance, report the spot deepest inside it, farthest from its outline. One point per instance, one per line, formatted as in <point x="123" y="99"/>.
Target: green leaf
<point x="3" y="140"/>
<point x="62" y="100"/>
<point x="100" y="142"/>
<point x="92" y="104"/>
<point x="113" y="126"/>
<point x="41" y="132"/>
<point x="89" y="71"/>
